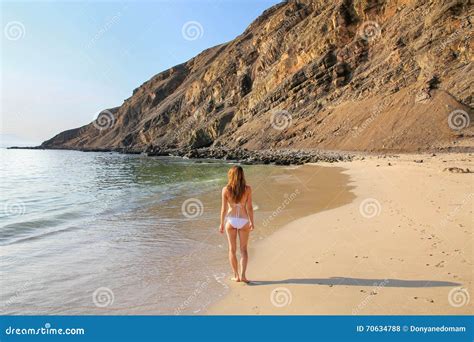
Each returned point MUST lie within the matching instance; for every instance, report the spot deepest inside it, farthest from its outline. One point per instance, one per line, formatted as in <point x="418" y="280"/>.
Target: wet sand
<point x="198" y="272"/>
<point x="402" y="245"/>
<point x="289" y="193"/>
<point x="150" y="243"/>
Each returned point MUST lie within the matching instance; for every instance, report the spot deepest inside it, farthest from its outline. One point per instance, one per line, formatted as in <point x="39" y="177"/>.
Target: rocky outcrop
<point x="333" y="75"/>
<point x="245" y="156"/>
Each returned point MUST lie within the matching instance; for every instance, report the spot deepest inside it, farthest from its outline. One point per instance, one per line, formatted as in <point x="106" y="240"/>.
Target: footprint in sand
<point x="440" y="264"/>
<point x="256" y="310"/>
<point x="429" y="300"/>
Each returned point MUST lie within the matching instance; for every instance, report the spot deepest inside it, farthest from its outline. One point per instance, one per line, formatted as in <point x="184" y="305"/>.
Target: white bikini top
<point x="235" y="205"/>
<point x="238" y="206"/>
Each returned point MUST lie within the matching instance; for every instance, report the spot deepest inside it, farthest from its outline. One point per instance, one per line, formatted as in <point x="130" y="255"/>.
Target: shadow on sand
<point x="357" y="282"/>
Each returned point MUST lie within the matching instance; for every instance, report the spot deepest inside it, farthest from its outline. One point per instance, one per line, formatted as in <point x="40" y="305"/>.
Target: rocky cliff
<point x="361" y="75"/>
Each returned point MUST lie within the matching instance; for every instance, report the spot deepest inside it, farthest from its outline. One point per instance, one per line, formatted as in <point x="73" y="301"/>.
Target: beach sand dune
<point x="404" y="245"/>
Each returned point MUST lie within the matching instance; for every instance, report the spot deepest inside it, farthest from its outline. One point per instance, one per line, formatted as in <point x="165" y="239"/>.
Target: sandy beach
<point x="402" y="245"/>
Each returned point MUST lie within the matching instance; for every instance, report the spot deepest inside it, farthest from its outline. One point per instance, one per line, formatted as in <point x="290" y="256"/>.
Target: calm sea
<point x="107" y="233"/>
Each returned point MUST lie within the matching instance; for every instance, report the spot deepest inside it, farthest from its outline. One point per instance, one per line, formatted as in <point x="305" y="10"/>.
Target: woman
<point x="237" y="219"/>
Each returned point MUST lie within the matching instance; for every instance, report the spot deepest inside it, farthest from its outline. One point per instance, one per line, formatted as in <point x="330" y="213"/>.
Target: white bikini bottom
<point x="237" y="222"/>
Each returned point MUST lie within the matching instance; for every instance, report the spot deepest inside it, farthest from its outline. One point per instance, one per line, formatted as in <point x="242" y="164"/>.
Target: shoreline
<point x="181" y="259"/>
<point x="241" y="155"/>
<point x="403" y="246"/>
<point x="289" y="156"/>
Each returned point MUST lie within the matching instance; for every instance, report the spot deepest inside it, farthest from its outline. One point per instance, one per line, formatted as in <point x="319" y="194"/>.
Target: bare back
<point x="238" y="209"/>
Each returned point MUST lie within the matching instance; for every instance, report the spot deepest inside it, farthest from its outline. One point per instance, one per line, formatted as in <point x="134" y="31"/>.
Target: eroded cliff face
<point x="367" y="75"/>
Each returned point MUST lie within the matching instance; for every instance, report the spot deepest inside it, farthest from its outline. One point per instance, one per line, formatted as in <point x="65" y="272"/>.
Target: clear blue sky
<point x="63" y="62"/>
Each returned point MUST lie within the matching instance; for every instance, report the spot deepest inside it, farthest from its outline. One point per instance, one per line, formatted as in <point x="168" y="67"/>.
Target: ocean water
<point x="108" y="233"/>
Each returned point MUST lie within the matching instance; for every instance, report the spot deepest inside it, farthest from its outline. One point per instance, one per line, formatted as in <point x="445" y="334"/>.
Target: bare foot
<point x="235" y="278"/>
<point x="245" y="280"/>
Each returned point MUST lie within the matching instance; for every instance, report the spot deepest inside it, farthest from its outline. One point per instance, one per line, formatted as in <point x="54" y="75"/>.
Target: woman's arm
<point x="250" y="208"/>
<point x="223" y="210"/>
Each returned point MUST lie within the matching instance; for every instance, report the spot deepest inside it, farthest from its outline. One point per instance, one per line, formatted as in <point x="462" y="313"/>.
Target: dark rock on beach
<point x="245" y="156"/>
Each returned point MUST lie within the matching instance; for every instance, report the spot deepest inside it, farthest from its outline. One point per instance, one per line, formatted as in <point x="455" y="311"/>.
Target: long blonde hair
<point x="236" y="183"/>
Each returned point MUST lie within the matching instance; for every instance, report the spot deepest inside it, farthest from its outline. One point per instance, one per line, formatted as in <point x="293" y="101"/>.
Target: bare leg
<point x="244" y="256"/>
<point x="232" y="239"/>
